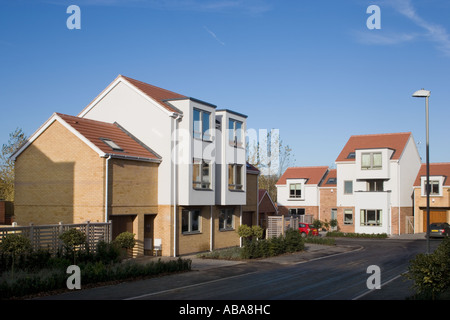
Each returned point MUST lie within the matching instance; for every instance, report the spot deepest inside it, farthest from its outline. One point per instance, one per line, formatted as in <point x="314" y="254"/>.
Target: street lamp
<point x="426" y="94"/>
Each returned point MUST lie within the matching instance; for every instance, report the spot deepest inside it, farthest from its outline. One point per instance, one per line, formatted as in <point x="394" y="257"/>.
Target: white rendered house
<point x="375" y="175"/>
<point x="202" y="175"/>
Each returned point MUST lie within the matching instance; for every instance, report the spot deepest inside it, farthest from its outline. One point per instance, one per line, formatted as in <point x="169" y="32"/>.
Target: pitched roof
<point x="394" y="141"/>
<point x="331" y="174"/>
<point x="436" y="169"/>
<point x="98" y="135"/>
<point x="156" y="93"/>
<point x="313" y="174"/>
<point x="97" y="132"/>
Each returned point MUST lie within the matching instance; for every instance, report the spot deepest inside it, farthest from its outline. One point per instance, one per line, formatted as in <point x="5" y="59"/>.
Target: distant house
<point x="439" y="196"/>
<point x="156" y="163"/>
<point x="370" y="191"/>
<point x="298" y="191"/>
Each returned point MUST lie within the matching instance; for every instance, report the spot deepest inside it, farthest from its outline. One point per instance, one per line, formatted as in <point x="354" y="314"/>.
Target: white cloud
<point x="433" y="32"/>
<point x="214" y="36"/>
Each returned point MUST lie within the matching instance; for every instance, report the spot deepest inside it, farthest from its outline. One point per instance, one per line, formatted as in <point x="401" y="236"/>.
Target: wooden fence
<point x="47" y="236"/>
<point x="277" y="225"/>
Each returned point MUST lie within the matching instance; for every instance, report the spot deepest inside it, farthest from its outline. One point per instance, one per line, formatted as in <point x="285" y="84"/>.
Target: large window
<point x="371" y="217"/>
<point x="190" y="221"/>
<point x="235" y="133"/>
<point x="235" y="177"/>
<point x="295" y="190"/>
<point x="202" y="124"/>
<point x="201" y="177"/>
<point x="226" y="219"/>
<point x="371" y="161"/>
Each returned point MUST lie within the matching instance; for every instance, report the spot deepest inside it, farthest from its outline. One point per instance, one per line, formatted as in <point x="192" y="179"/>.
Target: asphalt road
<point x="320" y="273"/>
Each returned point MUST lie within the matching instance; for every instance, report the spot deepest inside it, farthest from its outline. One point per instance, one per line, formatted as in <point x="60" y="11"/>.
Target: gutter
<point x="177" y="117"/>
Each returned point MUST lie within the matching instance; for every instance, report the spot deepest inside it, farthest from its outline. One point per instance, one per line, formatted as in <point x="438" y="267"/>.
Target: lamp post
<point x="426" y="94"/>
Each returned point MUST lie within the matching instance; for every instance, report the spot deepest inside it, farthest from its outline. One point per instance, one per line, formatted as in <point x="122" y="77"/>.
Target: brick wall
<point x="58" y="178"/>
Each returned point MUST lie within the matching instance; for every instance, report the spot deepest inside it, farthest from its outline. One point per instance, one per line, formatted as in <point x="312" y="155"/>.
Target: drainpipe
<point x="399" y="204"/>
<point x="107" y="187"/>
<point x="176" y="117"/>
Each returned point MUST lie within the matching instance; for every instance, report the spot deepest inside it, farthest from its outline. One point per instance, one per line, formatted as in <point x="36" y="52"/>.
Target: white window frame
<point x="372" y="165"/>
<point x="202" y="134"/>
<point x="190" y="215"/>
<point x="235" y="135"/>
<point x="346" y="213"/>
<point x="205" y="180"/>
<point x="233" y="183"/>
<point x="225" y="216"/>
<point x="297" y="187"/>
<point x="364" y="217"/>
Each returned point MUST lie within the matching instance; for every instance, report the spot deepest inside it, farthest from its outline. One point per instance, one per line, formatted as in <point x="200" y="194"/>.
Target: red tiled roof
<point x="313" y="174"/>
<point x="95" y="131"/>
<point x="156" y="93"/>
<point x="436" y="169"/>
<point x="331" y="174"/>
<point x="394" y="141"/>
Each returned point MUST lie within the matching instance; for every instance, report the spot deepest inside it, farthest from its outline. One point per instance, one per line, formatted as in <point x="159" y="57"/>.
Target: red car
<point x="306" y="229"/>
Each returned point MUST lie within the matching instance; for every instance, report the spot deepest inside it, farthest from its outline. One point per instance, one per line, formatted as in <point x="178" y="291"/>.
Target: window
<point x="226" y="219"/>
<point x="371" y="217"/>
<point x="375" y="185"/>
<point x="371" y="161"/>
<point x="111" y="144"/>
<point x="296" y="211"/>
<point x="201" y="178"/>
<point x="202" y="124"/>
<point x="331" y="181"/>
<point x="235" y="132"/>
<point x="348" y="216"/>
<point x="235" y="177"/>
<point x="190" y="221"/>
<point x="351" y="155"/>
<point x="348" y="187"/>
<point x="295" y="190"/>
<point x="434" y="187"/>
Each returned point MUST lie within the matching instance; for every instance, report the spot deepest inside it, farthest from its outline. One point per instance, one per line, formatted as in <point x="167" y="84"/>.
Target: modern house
<point x="439" y="196"/>
<point x="375" y="175"/>
<point x="370" y="191"/>
<point x="179" y="175"/>
<point x="298" y="190"/>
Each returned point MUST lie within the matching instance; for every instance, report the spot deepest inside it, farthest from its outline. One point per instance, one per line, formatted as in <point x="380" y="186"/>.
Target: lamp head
<point x="421" y="93"/>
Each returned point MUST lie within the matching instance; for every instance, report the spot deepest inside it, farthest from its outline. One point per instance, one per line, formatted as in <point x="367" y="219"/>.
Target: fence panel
<point x="47" y="236"/>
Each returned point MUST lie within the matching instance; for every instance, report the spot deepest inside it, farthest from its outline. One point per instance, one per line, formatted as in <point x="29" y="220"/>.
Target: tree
<point x="16" y="139"/>
<point x="15" y="244"/>
<point x="271" y="157"/>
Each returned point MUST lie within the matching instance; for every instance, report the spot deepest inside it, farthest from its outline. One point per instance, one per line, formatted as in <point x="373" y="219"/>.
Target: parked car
<point x="440" y="230"/>
<point x="307" y="229"/>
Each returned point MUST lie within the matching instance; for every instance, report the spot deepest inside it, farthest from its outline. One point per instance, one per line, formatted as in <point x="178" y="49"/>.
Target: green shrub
<point x="14" y="245"/>
<point x="73" y="238"/>
<point x="430" y="271"/>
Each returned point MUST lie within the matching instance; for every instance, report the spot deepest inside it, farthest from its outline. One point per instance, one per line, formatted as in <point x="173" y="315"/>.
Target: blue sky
<point x="311" y="69"/>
